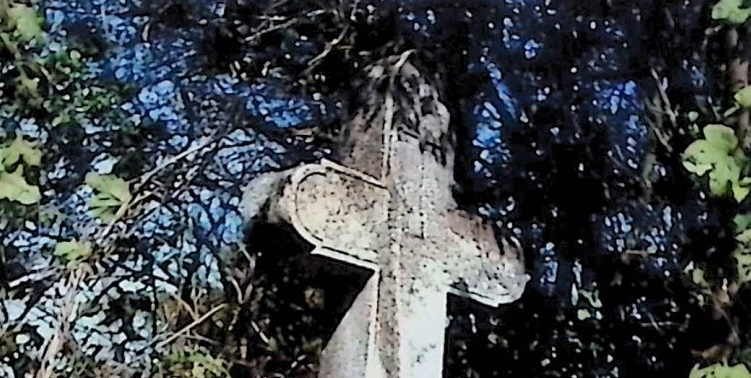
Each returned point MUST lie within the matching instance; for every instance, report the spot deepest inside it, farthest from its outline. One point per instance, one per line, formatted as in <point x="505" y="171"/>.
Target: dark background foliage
<point x="560" y="144"/>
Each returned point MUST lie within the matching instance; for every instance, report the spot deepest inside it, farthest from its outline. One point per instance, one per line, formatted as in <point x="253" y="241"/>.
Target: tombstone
<point x="387" y="206"/>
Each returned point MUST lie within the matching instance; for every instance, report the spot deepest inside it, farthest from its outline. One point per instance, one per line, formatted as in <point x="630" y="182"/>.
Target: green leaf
<point x="697" y="169"/>
<point x="28" y="24"/>
<point x="740" y="192"/>
<point x="73" y="251"/>
<point x="730" y="111"/>
<point x="738" y="371"/>
<point x="583" y="314"/>
<point x="743" y="97"/>
<point x="743" y="265"/>
<point x="195" y="362"/>
<point x="105" y="202"/>
<point x="721" y="136"/>
<point x="593" y="297"/>
<point x="744" y="237"/>
<point x="719" y="155"/>
<point x="720" y="370"/>
<point x="112" y="194"/>
<point x="29" y="88"/>
<point x="693" y="116"/>
<point x="731" y="11"/>
<point x="109" y="184"/>
<point x="725" y="172"/>
<point x="13" y="187"/>
<point x="20" y="149"/>
<point x="741" y="222"/>
<point x="698" y="278"/>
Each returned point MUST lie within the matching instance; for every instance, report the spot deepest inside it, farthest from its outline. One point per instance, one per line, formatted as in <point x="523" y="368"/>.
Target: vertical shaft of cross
<point x="352" y="346"/>
<point x="412" y="298"/>
<point x="411" y="331"/>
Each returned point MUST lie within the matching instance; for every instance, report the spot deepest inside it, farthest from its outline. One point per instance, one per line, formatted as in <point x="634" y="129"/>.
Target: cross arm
<point x="479" y="268"/>
<point x="339" y="210"/>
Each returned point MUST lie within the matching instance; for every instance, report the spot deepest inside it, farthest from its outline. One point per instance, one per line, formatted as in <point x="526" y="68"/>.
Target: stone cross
<point x="387" y="206"/>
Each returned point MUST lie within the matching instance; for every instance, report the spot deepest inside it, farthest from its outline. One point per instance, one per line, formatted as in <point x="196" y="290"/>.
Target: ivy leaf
<point x="697" y="168"/>
<point x="731" y="11"/>
<point x="717" y="145"/>
<point x="741" y="189"/>
<point x="195" y="362"/>
<point x="693" y="116"/>
<point x="112" y="185"/>
<point x="725" y="172"/>
<point x="738" y="371"/>
<point x="720" y="370"/>
<point x="742" y="222"/>
<point x="743" y="265"/>
<point x="29" y="89"/>
<point x="583" y="314"/>
<point x="744" y="237"/>
<point x="698" y="278"/>
<point x="28" y="23"/>
<point x="112" y="194"/>
<point x="593" y="297"/>
<point x="719" y="155"/>
<point x="73" y="251"/>
<point x="743" y="97"/>
<point x="721" y="136"/>
<point x="13" y="187"/>
<point x="20" y="149"/>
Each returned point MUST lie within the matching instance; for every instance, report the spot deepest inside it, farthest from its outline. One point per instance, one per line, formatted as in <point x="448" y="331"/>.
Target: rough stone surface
<point x="402" y="223"/>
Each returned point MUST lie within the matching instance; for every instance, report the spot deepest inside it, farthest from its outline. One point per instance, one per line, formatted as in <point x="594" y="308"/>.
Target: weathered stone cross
<point x="387" y="206"/>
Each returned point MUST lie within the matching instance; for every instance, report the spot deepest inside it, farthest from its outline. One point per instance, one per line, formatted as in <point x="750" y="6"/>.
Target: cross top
<point x="387" y="206"/>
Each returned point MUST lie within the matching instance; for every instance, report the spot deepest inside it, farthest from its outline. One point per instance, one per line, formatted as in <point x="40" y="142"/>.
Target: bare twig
<point x="662" y="86"/>
<point x="259" y="332"/>
<point x="145" y="179"/>
<point x="32" y="277"/>
<point x="67" y="314"/>
<point x="659" y="106"/>
<point x="149" y="175"/>
<point x="190" y="326"/>
<point x="330" y="46"/>
<point x="260" y="33"/>
<point x="657" y="126"/>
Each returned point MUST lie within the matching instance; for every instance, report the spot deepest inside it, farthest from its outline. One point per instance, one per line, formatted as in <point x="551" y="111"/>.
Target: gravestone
<point x="387" y="206"/>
